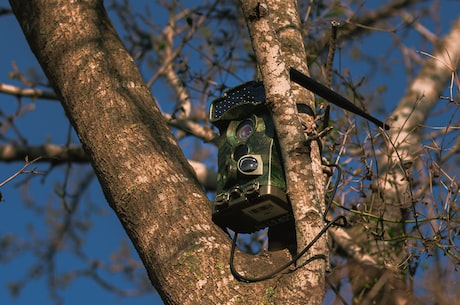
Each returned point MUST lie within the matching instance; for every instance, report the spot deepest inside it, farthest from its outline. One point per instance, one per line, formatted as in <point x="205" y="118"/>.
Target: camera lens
<point x="244" y="130"/>
<point x="248" y="164"/>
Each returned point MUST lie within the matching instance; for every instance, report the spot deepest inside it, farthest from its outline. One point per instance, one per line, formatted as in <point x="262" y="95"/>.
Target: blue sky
<point x="53" y="126"/>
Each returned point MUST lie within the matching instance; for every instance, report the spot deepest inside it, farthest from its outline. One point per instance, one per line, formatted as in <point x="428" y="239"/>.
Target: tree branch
<point x="144" y="175"/>
<point x="185" y="124"/>
<point x="27" y="92"/>
<point x="305" y="193"/>
<point x="57" y="154"/>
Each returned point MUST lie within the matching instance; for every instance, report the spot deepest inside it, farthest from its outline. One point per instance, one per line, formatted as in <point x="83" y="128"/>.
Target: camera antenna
<point x="332" y="96"/>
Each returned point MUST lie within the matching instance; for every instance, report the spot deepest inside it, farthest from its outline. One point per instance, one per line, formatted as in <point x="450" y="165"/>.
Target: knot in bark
<point x="258" y="12"/>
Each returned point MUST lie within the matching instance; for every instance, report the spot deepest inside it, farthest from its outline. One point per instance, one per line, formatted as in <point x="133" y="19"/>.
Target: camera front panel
<point x="251" y="187"/>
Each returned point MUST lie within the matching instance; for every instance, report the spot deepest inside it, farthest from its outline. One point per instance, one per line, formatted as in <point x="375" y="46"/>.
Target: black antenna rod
<point x="331" y="96"/>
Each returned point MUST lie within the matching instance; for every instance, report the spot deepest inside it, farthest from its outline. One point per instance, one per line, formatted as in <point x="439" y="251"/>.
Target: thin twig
<point x="21" y="171"/>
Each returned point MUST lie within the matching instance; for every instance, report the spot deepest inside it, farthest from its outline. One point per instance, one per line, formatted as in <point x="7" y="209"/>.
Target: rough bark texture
<point x="144" y="175"/>
<point x="274" y="53"/>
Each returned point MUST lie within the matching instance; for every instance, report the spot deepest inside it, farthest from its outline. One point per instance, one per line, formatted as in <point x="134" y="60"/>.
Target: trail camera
<point x="251" y="186"/>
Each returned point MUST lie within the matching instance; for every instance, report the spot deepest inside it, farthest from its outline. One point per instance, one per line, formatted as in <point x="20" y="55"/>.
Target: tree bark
<point x="144" y="175"/>
<point x="275" y="50"/>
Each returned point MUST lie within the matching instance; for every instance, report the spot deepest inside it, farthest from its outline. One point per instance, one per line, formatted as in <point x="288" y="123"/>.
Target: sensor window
<point x="240" y="151"/>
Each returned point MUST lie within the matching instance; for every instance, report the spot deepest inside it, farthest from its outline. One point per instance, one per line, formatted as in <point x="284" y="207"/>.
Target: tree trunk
<point x="144" y="175"/>
<point x="274" y="27"/>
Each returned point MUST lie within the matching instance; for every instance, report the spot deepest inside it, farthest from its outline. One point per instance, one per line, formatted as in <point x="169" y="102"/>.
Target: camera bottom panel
<point x="252" y="208"/>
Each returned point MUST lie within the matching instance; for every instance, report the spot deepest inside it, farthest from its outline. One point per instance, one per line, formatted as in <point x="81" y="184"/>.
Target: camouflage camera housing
<point x="251" y="185"/>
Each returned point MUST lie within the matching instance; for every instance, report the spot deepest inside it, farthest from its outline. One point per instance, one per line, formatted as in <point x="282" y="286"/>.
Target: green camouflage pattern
<point x="254" y="197"/>
<point x="262" y="142"/>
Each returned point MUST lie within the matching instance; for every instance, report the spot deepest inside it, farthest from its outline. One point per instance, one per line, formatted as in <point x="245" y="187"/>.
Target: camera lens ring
<point x="248" y="164"/>
<point x="244" y="130"/>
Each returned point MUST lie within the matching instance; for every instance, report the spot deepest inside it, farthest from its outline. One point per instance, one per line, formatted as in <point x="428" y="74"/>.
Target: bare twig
<point x="21" y="171"/>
